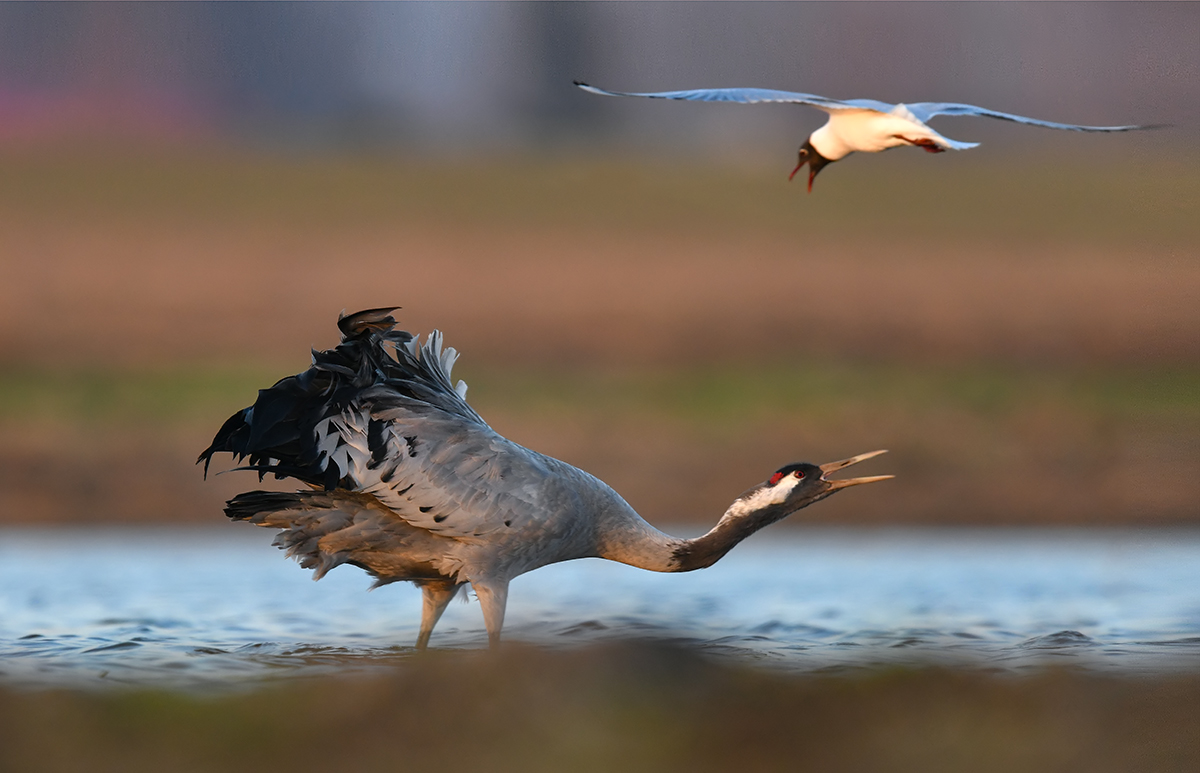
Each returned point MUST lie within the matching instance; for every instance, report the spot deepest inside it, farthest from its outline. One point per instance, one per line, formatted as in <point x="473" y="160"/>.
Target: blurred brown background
<point x="190" y="194"/>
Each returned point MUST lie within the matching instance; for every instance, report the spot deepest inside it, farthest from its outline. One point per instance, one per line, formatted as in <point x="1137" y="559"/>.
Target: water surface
<point x="220" y="606"/>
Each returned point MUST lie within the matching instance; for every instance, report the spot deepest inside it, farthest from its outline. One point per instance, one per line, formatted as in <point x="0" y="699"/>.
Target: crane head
<point x="786" y="491"/>
<point x="816" y="162"/>
<point x="799" y="485"/>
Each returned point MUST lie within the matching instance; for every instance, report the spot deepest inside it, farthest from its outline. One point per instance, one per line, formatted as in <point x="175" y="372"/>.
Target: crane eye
<point x="798" y="474"/>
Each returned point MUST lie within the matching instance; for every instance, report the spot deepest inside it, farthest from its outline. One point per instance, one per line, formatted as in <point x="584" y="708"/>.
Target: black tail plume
<point x="250" y="505"/>
<point x="278" y="433"/>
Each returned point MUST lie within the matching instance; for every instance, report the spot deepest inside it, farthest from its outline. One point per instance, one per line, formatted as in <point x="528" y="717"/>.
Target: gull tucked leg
<point x="436" y="596"/>
<point x="926" y="144"/>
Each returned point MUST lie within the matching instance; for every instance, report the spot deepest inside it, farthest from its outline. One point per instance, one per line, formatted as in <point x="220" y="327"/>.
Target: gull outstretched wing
<point x="926" y="110"/>
<point x="747" y="96"/>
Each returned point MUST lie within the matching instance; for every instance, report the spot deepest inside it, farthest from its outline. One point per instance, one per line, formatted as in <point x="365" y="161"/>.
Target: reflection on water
<point x="217" y="607"/>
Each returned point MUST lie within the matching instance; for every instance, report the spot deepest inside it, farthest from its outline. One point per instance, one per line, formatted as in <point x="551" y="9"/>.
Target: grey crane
<point x="861" y="125"/>
<point x="408" y="482"/>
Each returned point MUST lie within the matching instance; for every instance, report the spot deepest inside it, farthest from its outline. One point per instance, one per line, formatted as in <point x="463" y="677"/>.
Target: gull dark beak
<point x="834" y="485"/>
<point x="800" y="165"/>
<point x="816" y="162"/>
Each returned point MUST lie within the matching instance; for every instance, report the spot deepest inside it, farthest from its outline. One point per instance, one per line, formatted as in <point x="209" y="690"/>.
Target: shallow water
<point x="218" y="607"/>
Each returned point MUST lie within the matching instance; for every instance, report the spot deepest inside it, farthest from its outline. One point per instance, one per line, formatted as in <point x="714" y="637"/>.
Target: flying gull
<point x="862" y="125"/>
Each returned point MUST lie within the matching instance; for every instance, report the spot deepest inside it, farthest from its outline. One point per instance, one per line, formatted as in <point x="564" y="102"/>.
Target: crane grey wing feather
<point x="434" y="470"/>
<point x="749" y="96"/>
<point x="433" y="385"/>
<point x="926" y="110"/>
<point x="378" y="415"/>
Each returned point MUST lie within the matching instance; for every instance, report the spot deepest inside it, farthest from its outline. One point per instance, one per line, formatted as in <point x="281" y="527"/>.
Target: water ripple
<point x="1057" y="640"/>
<point x="214" y="609"/>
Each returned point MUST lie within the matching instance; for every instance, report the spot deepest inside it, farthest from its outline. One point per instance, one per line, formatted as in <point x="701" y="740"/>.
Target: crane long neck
<point x="640" y="544"/>
<point x="736" y="525"/>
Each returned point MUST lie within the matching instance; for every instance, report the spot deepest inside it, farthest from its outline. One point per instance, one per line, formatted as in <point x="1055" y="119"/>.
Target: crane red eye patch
<point x="783" y="474"/>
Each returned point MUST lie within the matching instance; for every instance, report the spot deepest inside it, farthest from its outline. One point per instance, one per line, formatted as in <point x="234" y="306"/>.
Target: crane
<point x="861" y="125"/>
<point x="408" y="482"/>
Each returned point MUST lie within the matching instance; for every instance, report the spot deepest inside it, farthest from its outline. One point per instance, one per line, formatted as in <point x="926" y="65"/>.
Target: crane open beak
<point x="840" y="484"/>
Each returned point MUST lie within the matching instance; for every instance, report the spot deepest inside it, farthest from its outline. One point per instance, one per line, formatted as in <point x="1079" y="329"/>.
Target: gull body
<point x="861" y="125"/>
<point x="869" y="131"/>
<point x="407" y="481"/>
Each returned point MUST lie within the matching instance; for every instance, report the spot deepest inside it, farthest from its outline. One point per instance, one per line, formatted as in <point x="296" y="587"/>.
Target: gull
<point x="861" y="125"/>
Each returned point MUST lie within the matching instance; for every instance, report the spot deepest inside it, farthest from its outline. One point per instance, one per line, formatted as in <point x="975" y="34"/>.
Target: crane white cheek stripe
<point x="764" y="497"/>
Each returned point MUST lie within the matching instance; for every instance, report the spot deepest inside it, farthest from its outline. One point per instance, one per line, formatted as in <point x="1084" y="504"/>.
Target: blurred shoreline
<point x="632" y="706"/>
<point x="1029" y="358"/>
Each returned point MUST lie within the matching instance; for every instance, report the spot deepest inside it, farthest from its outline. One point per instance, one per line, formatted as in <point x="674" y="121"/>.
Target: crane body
<point x="407" y="481"/>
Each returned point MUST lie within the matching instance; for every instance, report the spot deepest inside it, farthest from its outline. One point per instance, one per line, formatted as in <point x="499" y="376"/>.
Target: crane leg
<point x="435" y="597"/>
<point x="493" y="597"/>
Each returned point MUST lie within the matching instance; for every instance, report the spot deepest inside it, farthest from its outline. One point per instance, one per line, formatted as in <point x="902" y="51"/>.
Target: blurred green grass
<point x="723" y="395"/>
<point x="729" y="394"/>
<point x="988" y="197"/>
<point x="1083" y="446"/>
